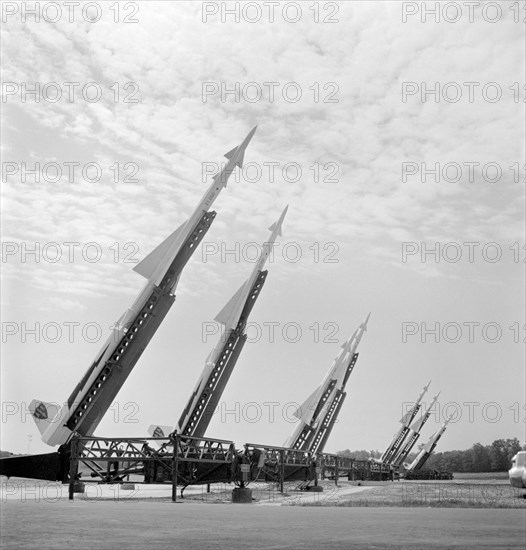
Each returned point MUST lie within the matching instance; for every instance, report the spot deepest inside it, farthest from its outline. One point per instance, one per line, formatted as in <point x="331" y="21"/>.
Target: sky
<point x="397" y="141"/>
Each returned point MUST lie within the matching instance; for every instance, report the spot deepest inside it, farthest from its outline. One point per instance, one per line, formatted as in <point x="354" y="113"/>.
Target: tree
<point x="498" y="454"/>
<point x="514" y="447"/>
<point x="480" y="458"/>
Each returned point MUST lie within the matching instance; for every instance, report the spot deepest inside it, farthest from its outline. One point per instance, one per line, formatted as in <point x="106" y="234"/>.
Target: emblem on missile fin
<point x="40" y="412"/>
<point x="158" y="432"/>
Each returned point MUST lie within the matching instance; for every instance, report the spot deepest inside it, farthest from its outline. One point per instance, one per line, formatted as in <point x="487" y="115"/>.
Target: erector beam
<point x="198" y="413"/>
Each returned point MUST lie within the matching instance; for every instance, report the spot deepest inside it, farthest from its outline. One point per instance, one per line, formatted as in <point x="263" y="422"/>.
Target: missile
<point x="155" y="265"/>
<point x="318" y="413"/>
<point x="220" y="363"/>
<point x="230" y="315"/>
<point x="396" y="443"/>
<point x="414" y="434"/>
<point x="428" y="448"/>
<point x="131" y="334"/>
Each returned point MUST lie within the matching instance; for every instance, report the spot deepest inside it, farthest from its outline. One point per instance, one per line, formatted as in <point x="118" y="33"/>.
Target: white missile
<point x="318" y="412"/>
<point x="229" y="316"/>
<point x="130" y="335"/>
<point x="396" y="443"/>
<point x="220" y="362"/>
<point x="414" y="433"/>
<point x="410" y="415"/>
<point x="418" y="424"/>
<point x="428" y="448"/>
<point x="154" y="266"/>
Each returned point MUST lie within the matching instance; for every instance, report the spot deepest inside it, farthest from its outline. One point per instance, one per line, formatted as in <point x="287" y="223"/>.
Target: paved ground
<point x="265" y="493"/>
<point x="131" y="524"/>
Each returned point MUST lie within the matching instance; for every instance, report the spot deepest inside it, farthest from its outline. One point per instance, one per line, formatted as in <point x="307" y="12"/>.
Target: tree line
<point x="495" y="457"/>
<point x="480" y="458"/>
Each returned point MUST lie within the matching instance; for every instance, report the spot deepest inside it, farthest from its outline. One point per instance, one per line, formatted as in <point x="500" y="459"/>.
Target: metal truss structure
<point x="186" y="460"/>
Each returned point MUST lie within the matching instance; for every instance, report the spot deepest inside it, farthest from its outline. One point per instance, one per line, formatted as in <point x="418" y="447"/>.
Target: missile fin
<point x="43" y="414"/>
<point x="273" y="227"/>
<point x="429" y="444"/>
<point x="406" y="418"/>
<point x="231" y="308"/>
<point x="416" y="426"/>
<point x="147" y="266"/>
<point x="158" y="430"/>
<point x="276" y="226"/>
<point x="306" y="409"/>
<point x="239" y="161"/>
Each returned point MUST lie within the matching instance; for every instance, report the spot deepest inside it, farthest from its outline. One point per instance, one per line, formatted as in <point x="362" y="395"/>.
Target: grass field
<point x="485" y="490"/>
<point x="489" y="477"/>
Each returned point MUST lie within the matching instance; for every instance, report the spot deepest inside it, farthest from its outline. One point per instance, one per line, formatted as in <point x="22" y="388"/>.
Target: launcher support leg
<point x="281" y="470"/>
<point x="73" y="467"/>
<point x="175" y="471"/>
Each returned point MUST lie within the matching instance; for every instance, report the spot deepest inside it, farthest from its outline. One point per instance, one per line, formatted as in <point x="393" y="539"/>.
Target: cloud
<point x="349" y="133"/>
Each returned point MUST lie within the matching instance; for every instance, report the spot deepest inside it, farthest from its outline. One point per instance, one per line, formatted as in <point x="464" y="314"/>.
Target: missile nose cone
<point x="250" y="135"/>
<point x="276" y="226"/>
<point x="283" y="214"/>
<point x="366" y="321"/>
<point x="238" y="153"/>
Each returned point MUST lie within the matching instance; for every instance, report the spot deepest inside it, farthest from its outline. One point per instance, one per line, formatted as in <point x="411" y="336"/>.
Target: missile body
<point x="414" y="434"/>
<point x="428" y="448"/>
<point x="220" y="363"/>
<point x="131" y="334"/>
<point x="318" y="414"/>
<point x="396" y="443"/>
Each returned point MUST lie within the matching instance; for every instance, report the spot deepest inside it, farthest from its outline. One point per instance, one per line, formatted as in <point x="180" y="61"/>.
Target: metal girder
<point x="279" y="464"/>
<point x="390" y="453"/>
<point x="334" y="466"/>
<point x="328" y="422"/>
<point x="181" y="460"/>
<point x="201" y="414"/>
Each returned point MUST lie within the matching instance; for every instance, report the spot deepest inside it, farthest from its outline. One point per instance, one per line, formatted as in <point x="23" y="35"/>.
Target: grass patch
<point x="430" y="494"/>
